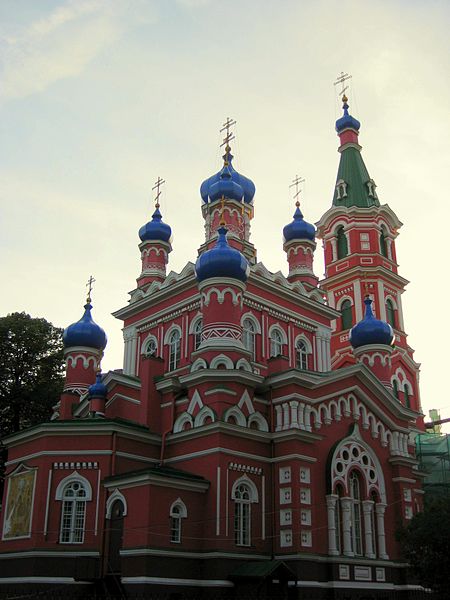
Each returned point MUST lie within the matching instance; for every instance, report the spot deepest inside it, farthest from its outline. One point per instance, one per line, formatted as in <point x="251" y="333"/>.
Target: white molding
<point x="75" y="476"/>
<point x="116" y="495"/>
<point x="46" y="553"/>
<point x="181" y="582"/>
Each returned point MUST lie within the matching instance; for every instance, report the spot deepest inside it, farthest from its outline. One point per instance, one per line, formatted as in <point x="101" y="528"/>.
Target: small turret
<point x="156" y="238"/>
<point x="97" y="397"/>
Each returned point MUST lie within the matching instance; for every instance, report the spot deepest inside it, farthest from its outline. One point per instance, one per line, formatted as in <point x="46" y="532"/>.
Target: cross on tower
<point x="341" y="79"/>
<point x="230" y="136"/>
<point x="89" y="285"/>
<point x="158" y="184"/>
<point x="297" y="182"/>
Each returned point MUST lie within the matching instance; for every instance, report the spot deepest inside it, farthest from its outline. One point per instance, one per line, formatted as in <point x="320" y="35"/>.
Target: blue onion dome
<point x="347" y="121"/>
<point x="246" y="184"/>
<point x="155" y="230"/>
<point x="85" y="332"/>
<point x="222" y="261"/>
<point x="299" y="229"/>
<point x="371" y="330"/>
<point x="98" y="389"/>
<point x="225" y="187"/>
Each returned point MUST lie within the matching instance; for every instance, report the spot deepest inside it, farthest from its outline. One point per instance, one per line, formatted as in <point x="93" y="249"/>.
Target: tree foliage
<point x="31" y="371"/>
<point x="426" y="544"/>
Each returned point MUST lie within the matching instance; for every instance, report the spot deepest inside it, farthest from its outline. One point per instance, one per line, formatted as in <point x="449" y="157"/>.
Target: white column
<point x="332" y="501"/>
<point x="301" y="415"/>
<point x="285" y="415"/>
<point x="318" y="340"/>
<point x="358" y="303"/>
<point x="279" y="418"/>
<point x="381" y="301"/>
<point x="129" y="357"/>
<point x="379" y="511"/>
<point x="368" y="533"/>
<point x="333" y="242"/>
<point x="346" y="510"/>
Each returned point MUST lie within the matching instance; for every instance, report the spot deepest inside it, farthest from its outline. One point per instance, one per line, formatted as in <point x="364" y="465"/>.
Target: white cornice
<point x="138" y="479"/>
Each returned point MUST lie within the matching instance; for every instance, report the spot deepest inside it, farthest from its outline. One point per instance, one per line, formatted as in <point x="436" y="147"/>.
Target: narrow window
<point x="383" y="243"/>
<point x="390" y="313"/>
<point x="395" y="388"/>
<point x="356" y="522"/>
<point x="73" y="513"/>
<point x="407" y="396"/>
<point x="301" y="353"/>
<point x="346" y="315"/>
<point x="249" y="336"/>
<point x="276" y="343"/>
<point x="174" y="350"/>
<point x="150" y="347"/>
<point x="342" y="246"/>
<point x="242" y="516"/>
<point x="175" y="524"/>
<point x="198" y="334"/>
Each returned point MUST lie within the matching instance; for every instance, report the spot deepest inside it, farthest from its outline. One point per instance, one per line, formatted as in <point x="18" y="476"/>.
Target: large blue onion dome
<point x="347" y="121"/>
<point x="225" y="187"/>
<point x="98" y="389"/>
<point x="222" y="261"/>
<point x="155" y="230"/>
<point x="246" y="184"/>
<point x="371" y="330"/>
<point x="299" y="229"/>
<point x="85" y="332"/>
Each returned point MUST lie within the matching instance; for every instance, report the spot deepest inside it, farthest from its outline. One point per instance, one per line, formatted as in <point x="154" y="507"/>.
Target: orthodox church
<point x="260" y="435"/>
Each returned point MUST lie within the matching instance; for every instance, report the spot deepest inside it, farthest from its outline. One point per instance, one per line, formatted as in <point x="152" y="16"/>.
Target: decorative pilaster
<point x="346" y="511"/>
<point x="368" y="530"/>
<point x="332" y="501"/>
<point x="379" y="511"/>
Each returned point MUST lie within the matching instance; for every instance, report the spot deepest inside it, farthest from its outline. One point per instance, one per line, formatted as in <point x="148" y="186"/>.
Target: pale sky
<point x="100" y="97"/>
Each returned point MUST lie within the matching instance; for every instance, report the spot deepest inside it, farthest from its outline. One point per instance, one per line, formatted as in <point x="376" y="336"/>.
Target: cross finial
<point x="89" y="285"/>
<point x="341" y="79"/>
<point x="296" y="183"/>
<point x="158" y="184"/>
<point x="229" y="136"/>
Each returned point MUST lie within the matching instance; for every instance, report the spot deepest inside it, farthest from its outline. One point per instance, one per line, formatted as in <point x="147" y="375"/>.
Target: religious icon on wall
<point x="19" y="505"/>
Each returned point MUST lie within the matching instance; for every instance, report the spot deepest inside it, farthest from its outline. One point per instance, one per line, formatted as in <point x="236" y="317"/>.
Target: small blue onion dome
<point x="85" y="332"/>
<point x="299" y="229"/>
<point x="225" y="187"/>
<point x="347" y="121"/>
<point x="222" y="261"/>
<point x="371" y="330"/>
<point x="155" y="230"/>
<point x="98" y="389"/>
<point x="247" y="185"/>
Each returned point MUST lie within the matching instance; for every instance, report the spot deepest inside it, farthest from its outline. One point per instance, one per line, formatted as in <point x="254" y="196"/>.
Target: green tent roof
<point x="353" y="172"/>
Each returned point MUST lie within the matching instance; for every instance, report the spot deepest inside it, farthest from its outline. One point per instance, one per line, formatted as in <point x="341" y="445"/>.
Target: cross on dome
<point x="227" y="139"/>
<point x="158" y="183"/>
<point x="89" y="285"/>
<point x="296" y="183"/>
<point x="341" y="79"/>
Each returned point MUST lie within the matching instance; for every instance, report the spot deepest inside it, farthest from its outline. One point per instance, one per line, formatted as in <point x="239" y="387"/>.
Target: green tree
<point x="425" y="543"/>
<point x="31" y="371"/>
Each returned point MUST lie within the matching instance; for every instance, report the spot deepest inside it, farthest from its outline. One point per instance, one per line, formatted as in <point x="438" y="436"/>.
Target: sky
<point x="100" y="97"/>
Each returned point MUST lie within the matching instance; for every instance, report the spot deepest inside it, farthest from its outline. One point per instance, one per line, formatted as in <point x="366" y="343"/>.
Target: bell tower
<point x="359" y="235"/>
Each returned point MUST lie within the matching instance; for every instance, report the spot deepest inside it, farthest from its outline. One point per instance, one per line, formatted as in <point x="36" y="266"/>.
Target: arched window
<point x="342" y="245"/>
<point x="395" y="388"/>
<point x="174" y="350"/>
<point x="242" y="515"/>
<point x="198" y="334"/>
<point x="390" y="313"/>
<point x="74" y="497"/>
<point x="406" y="394"/>
<point x="276" y="343"/>
<point x="383" y="243"/>
<point x="177" y="513"/>
<point x="249" y="336"/>
<point x="150" y="347"/>
<point x="346" y="315"/>
<point x="356" y="515"/>
<point x="301" y="355"/>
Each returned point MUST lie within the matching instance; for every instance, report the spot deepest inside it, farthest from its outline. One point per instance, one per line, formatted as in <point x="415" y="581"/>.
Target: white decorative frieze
<point x="285" y="495"/>
<point x="285" y="538"/>
<point x="285" y="474"/>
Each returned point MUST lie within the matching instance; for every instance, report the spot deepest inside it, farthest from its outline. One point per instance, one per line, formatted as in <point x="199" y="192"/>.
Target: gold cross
<point x="158" y="184"/>
<point x="91" y="280"/>
<point x="230" y="136"/>
<point x="297" y="182"/>
<point x="341" y="79"/>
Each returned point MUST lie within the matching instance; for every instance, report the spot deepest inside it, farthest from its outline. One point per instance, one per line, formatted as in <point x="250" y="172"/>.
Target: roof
<point x="161" y="472"/>
<point x="259" y="569"/>
<point x="353" y="172"/>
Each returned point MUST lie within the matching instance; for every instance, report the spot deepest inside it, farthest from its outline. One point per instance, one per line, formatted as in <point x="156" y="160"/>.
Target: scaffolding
<point x="433" y="452"/>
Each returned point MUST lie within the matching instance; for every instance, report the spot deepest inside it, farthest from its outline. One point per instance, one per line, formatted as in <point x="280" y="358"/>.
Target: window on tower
<point x="276" y="343"/>
<point x="249" y="336"/>
<point x="341" y="189"/>
<point x="407" y="394"/>
<point x="242" y="515"/>
<point x="356" y="513"/>
<point x="174" y="350"/>
<point x="346" y="315"/>
<point x="301" y="355"/>
<point x="198" y="334"/>
<point x="371" y="186"/>
<point x="383" y="243"/>
<point x="177" y="513"/>
<point x="390" y="313"/>
<point x="342" y="245"/>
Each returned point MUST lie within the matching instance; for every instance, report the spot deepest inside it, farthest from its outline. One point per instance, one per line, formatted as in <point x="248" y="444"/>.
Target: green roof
<point x="353" y="172"/>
